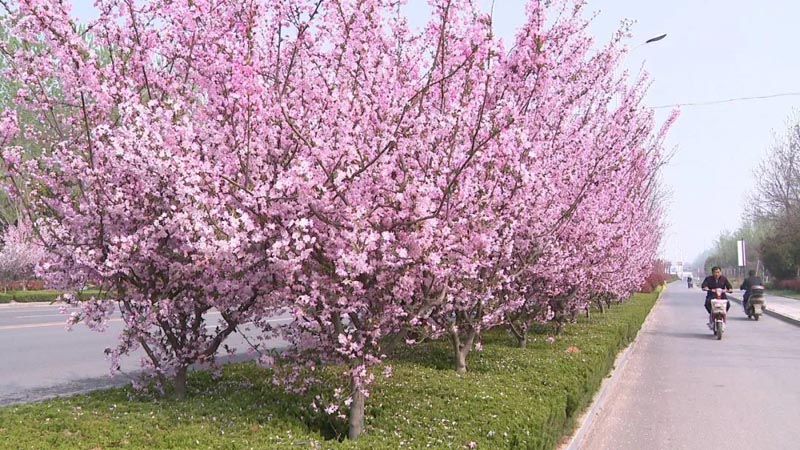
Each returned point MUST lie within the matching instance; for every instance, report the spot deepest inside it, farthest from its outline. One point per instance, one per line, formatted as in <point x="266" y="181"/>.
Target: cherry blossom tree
<point x="583" y="158"/>
<point x="390" y="125"/>
<point x="325" y="159"/>
<point x="20" y="252"/>
<point x="130" y="194"/>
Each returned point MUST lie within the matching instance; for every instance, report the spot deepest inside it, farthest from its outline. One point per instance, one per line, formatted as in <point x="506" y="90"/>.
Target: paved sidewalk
<point x="781" y="307"/>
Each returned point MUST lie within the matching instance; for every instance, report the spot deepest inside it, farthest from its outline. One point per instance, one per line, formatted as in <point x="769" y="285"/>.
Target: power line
<point x="729" y="100"/>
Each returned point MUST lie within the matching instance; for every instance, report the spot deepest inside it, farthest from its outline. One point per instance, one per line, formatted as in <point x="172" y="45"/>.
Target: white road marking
<point x="42" y="325"/>
<point x="38" y="315"/>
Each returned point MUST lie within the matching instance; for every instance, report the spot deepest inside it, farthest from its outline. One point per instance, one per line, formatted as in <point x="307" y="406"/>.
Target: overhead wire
<point x="728" y="100"/>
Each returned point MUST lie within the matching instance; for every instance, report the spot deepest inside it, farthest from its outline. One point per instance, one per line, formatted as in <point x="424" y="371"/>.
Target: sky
<point x="714" y="50"/>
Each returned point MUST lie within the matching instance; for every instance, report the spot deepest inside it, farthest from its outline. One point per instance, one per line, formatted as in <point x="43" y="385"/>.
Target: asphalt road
<point x="683" y="389"/>
<point x="40" y="359"/>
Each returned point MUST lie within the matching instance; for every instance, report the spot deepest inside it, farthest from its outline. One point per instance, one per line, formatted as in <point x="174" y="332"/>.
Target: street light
<point x="651" y="40"/>
<point x="655" y="39"/>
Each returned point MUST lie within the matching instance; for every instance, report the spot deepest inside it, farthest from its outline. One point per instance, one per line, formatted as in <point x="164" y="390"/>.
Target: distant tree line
<point x="772" y="215"/>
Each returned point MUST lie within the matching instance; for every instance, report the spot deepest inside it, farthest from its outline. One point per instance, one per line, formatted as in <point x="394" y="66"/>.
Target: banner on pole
<point x="741" y="252"/>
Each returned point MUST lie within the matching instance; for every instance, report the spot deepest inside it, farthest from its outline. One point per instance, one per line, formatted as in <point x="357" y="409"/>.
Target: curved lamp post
<point x="655" y="39"/>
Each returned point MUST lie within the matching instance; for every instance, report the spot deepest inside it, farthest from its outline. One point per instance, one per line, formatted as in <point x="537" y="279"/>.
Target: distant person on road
<point x="689" y="281"/>
<point x="716" y="281"/>
<point x="747" y="285"/>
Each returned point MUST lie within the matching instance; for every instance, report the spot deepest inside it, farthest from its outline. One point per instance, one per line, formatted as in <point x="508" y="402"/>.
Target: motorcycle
<point x="755" y="303"/>
<point x="719" y="313"/>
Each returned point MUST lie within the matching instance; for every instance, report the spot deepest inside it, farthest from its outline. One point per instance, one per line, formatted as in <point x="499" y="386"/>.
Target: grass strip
<point x="512" y="398"/>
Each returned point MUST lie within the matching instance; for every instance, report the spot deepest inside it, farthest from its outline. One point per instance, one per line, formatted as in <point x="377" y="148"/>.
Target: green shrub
<point x="36" y="296"/>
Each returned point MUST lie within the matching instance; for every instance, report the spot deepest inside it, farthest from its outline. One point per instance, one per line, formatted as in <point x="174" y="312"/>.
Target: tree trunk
<point x="179" y="382"/>
<point x="461" y="361"/>
<point x="461" y="350"/>
<point x="523" y="340"/>
<point x="521" y="333"/>
<point x="356" y="414"/>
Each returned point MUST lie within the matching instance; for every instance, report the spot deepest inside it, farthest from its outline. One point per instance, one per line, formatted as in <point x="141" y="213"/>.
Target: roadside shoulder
<point x="594" y="409"/>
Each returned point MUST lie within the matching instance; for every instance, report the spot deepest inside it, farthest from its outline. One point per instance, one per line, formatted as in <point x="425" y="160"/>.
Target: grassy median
<point x="511" y="399"/>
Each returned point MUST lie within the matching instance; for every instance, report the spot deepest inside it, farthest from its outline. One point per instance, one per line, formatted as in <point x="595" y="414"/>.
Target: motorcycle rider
<point x="716" y="281"/>
<point x="747" y="286"/>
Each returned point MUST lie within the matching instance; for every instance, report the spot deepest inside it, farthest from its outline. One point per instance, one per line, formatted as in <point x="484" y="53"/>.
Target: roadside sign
<point x="741" y="253"/>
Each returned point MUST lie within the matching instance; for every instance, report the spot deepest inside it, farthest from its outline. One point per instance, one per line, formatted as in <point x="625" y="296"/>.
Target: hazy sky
<point x="715" y="49"/>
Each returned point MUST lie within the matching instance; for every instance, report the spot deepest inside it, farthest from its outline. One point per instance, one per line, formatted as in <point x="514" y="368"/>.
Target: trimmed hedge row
<point x="511" y="398"/>
<point x="36" y="296"/>
<point x="29" y="296"/>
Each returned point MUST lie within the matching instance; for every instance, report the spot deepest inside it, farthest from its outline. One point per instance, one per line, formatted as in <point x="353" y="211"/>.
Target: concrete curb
<point x="769" y="312"/>
<point x="27" y="303"/>
<point x="587" y="419"/>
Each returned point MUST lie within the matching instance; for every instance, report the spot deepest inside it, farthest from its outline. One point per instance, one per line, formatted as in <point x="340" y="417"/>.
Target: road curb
<point x="26" y="303"/>
<point x="594" y="409"/>
<point x="771" y="313"/>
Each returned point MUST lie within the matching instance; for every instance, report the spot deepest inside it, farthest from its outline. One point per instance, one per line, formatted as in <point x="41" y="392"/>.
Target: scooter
<point x="755" y="303"/>
<point x="719" y="314"/>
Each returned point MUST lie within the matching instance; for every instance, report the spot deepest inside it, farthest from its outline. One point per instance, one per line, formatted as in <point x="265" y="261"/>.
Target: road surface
<point x="683" y="389"/>
<point x="40" y="359"/>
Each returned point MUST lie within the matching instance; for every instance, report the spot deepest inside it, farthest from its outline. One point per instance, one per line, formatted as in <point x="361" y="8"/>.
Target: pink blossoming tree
<point x="322" y="158"/>
<point x="20" y="251"/>
<point x="131" y="192"/>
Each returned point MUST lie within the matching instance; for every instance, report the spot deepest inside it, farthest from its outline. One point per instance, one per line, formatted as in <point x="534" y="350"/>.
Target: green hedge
<point x="511" y="399"/>
<point x="29" y="296"/>
<point x="35" y="296"/>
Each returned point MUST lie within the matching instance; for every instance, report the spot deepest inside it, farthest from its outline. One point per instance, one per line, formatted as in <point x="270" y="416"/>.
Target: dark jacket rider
<point x="747" y="285"/>
<point x="714" y="281"/>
